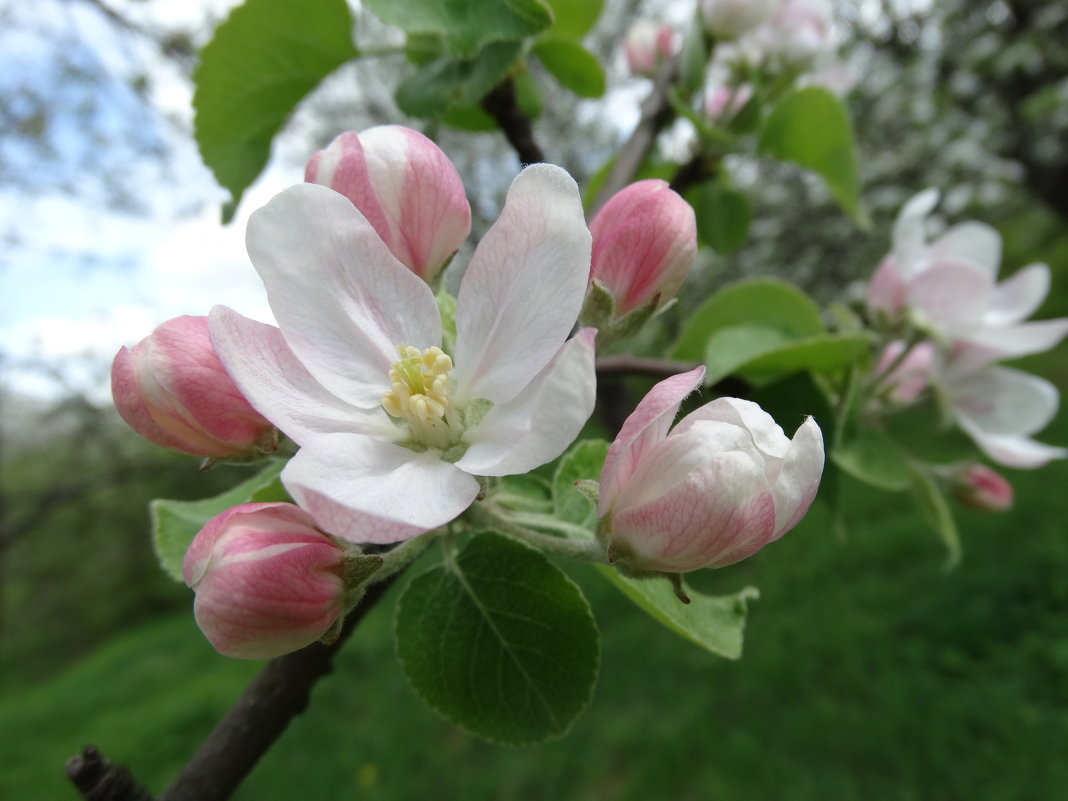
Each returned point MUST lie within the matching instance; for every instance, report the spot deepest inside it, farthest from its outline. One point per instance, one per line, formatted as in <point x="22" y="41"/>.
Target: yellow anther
<point x="420" y="390"/>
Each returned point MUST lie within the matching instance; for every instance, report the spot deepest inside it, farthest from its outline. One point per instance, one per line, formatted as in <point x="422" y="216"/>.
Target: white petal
<point x="1019" y="452"/>
<point x="1019" y="296"/>
<point x="766" y="433"/>
<point x="277" y="385"/>
<point x="799" y="479"/>
<point x="646" y="426"/>
<point x="524" y="287"/>
<point x="342" y="300"/>
<point x="1011" y="341"/>
<point x="1002" y="401"/>
<point x="536" y="427"/>
<point x="973" y="242"/>
<point x="910" y="235"/>
<point x="950" y="297"/>
<point x="368" y="490"/>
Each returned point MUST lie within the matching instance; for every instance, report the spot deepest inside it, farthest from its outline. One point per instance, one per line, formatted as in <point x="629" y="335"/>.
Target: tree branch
<point x="257" y="718"/>
<point x="501" y="104"/>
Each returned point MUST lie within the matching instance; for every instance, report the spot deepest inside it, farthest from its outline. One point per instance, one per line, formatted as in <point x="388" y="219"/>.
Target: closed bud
<point x="405" y="186"/>
<point x="714" y="490"/>
<point x="172" y="389"/>
<point x="267" y="581"/>
<point x="644" y="244"/>
<point x="646" y="45"/>
<point x="977" y="486"/>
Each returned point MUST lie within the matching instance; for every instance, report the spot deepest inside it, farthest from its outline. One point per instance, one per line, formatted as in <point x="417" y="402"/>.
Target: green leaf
<point x="175" y="523"/>
<point x="260" y="63"/>
<point x="499" y="641"/>
<point x="716" y="623"/>
<point x="573" y="66"/>
<point x="466" y="25"/>
<point x="811" y="128"/>
<point x="760" y="355"/>
<point x="583" y="461"/>
<point x="575" y="17"/>
<point x="447" y="82"/>
<point x="869" y="455"/>
<point x="693" y="59"/>
<point x="937" y="512"/>
<point x="723" y="217"/>
<point x="765" y="303"/>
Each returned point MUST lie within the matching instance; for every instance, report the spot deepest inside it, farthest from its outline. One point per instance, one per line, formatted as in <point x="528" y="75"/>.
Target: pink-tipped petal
<point x="524" y="287"/>
<point x="537" y="426"/>
<point x="887" y="292"/>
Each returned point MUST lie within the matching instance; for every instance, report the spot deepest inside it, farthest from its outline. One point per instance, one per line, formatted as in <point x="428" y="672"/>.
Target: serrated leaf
<point x="466" y="25"/>
<point x="572" y="65"/>
<point x="869" y="455"/>
<point x="176" y="523"/>
<point x="937" y="513"/>
<point x="260" y="63"/>
<point x="810" y="127"/>
<point x="723" y="217"/>
<point x="448" y="82"/>
<point x="499" y="641"/>
<point x="575" y="17"/>
<point x="583" y="461"/>
<point x="714" y="622"/>
<point x="761" y="355"/>
<point x="765" y="303"/>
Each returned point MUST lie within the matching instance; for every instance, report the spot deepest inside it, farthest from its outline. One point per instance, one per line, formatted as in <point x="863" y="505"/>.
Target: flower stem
<point x="576" y="542"/>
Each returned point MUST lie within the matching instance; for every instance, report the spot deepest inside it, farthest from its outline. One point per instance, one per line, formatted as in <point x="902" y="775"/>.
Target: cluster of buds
<point x="399" y="415"/>
<point x="647" y="45"/>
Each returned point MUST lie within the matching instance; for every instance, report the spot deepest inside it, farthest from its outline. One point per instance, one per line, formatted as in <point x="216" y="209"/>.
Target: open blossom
<point x="646" y="45"/>
<point x="405" y="187"/>
<point x="797" y="34"/>
<point x="949" y="286"/>
<point x="729" y="19"/>
<point x="1000" y="408"/>
<point x="172" y="389"/>
<point x="644" y="245"/>
<point x="267" y="581"/>
<point x="714" y="490"/>
<point x="395" y="421"/>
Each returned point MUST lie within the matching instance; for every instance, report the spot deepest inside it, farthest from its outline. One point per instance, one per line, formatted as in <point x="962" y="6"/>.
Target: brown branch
<point x="278" y="694"/>
<point x="501" y="104"/>
<point x="656" y="114"/>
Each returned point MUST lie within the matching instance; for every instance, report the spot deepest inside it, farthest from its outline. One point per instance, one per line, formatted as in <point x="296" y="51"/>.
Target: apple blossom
<point x="979" y="487"/>
<point x="646" y="45"/>
<point x="727" y="100"/>
<point x="903" y="376"/>
<point x="729" y="19"/>
<point x="393" y="419"/>
<point x="644" y="245"/>
<point x="405" y="187"/>
<point x="267" y="581"/>
<point x="714" y="490"/>
<point x="949" y="287"/>
<point x="796" y="34"/>
<point x="172" y="389"/>
<point x="1000" y="408"/>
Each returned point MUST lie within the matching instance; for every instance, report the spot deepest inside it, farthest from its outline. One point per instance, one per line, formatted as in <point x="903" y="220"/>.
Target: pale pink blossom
<point x="905" y="377"/>
<point x="718" y="487"/>
<point x="172" y="389"/>
<point x="979" y="487"/>
<point x="796" y="35"/>
<point x="729" y="19"/>
<point x="727" y="100"/>
<point x="405" y="187"/>
<point x="949" y="287"/>
<point x="393" y="430"/>
<point x="267" y="581"/>
<point x="1000" y="408"/>
<point x="646" y="45"/>
<point x="644" y="245"/>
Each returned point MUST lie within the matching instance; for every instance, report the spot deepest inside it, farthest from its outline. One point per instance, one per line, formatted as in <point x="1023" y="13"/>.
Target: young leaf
<point x="175" y="523"/>
<point x="575" y="17"/>
<point x="869" y="455"/>
<point x="499" y="641"/>
<point x="810" y="127"/>
<point x="764" y="302"/>
<point x="583" y="461"/>
<point x="716" y="623"/>
<point x="467" y="25"/>
<point x="573" y="66"/>
<point x="723" y="216"/>
<point x="447" y="82"/>
<point x="260" y="63"/>
<point x="763" y="360"/>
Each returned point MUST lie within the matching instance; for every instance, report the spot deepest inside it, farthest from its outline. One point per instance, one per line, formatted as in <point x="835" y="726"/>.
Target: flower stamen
<point x="420" y="394"/>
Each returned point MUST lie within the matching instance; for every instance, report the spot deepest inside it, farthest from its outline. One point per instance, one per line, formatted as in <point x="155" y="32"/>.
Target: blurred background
<point x="868" y="672"/>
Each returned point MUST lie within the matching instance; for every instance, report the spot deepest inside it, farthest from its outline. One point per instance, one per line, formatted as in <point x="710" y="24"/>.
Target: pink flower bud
<point x="646" y="45"/>
<point x="405" y="186"/>
<point x="727" y="100"/>
<point x="906" y="376"/>
<point x="644" y="244"/>
<point x="720" y="486"/>
<point x="267" y="581"/>
<point x="172" y="389"/>
<point x="979" y="487"/>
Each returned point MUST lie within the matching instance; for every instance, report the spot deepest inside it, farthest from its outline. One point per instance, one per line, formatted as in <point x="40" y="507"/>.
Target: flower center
<point x="420" y="386"/>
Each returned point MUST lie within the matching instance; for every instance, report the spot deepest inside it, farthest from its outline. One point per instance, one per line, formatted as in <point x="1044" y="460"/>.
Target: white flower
<point x="392" y="429"/>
